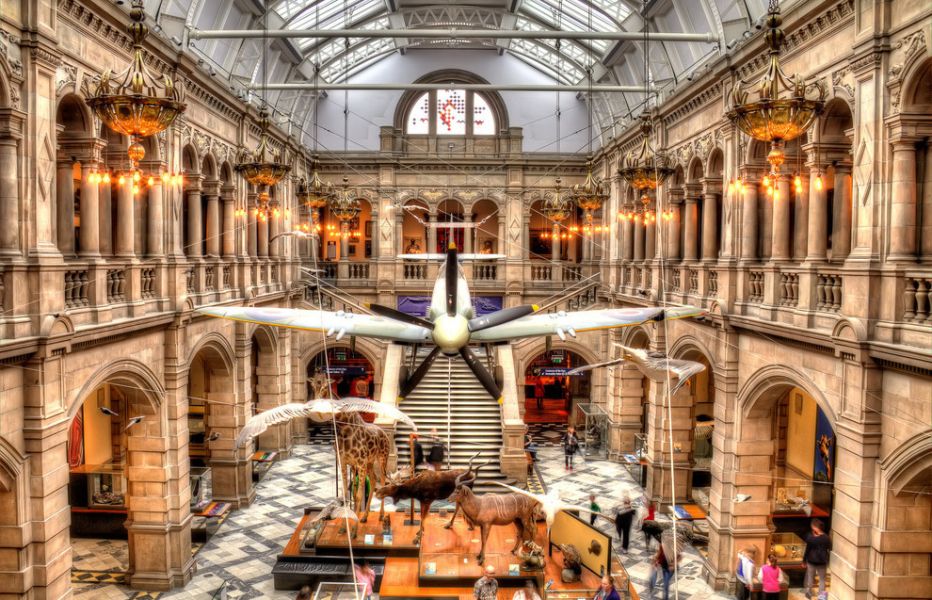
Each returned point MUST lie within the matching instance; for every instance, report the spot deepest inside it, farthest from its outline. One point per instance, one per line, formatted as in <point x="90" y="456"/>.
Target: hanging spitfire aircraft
<point x="450" y="322"/>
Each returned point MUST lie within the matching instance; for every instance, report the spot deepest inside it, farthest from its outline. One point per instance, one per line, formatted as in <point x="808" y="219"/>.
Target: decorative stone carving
<point x="904" y="53"/>
<point x="65" y="75"/>
<point x="202" y="143"/>
<point x="843" y="81"/>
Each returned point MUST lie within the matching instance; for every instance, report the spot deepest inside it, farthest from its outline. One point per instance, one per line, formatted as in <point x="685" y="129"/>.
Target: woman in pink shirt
<point x="366" y="575"/>
<point x="770" y="576"/>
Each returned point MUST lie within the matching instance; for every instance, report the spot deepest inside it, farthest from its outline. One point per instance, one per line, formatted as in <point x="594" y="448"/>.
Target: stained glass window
<point x="419" y="117"/>
<point x="451" y="112"/>
<point x="483" y="121"/>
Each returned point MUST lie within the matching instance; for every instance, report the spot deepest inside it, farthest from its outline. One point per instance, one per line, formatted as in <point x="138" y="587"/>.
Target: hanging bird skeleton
<point x="655" y="368"/>
<point x="362" y="448"/>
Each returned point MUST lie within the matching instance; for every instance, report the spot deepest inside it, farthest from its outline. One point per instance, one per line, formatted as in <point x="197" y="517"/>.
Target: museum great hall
<point x="235" y="235"/>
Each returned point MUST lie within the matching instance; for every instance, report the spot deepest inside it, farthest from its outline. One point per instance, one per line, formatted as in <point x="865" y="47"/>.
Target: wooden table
<point x="694" y="512"/>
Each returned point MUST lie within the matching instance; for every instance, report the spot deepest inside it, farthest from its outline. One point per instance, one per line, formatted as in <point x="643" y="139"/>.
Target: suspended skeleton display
<point x="655" y="367"/>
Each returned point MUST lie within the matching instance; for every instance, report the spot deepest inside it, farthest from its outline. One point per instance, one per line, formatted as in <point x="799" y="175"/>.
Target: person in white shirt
<point x="528" y="593"/>
<point x="745" y="572"/>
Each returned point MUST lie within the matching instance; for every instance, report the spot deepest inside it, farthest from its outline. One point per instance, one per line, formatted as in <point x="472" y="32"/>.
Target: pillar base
<point x="161" y="555"/>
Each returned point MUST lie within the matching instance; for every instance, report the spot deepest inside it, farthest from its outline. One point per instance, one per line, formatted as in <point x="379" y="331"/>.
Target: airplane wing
<point x="340" y="323"/>
<point x="562" y="323"/>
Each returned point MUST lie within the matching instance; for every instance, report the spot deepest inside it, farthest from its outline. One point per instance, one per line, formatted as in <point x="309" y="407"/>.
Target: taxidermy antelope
<point x="496" y="509"/>
<point x="427" y="487"/>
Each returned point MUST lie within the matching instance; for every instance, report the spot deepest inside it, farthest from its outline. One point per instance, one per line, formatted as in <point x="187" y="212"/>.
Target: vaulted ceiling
<point x="240" y="61"/>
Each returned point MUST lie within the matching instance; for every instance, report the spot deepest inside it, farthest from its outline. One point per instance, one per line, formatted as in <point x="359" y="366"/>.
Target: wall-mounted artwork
<point x="824" y="463"/>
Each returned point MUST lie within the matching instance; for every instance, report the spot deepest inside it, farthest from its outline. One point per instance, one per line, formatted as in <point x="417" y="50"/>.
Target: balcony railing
<point x="755" y="291"/>
<point x="227" y="277"/>
<point x="485" y="272"/>
<point x="209" y="283"/>
<point x="416" y="271"/>
<point x="693" y="279"/>
<point x="77" y="286"/>
<point x="541" y="272"/>
<point x="713" y="284"/>
<point x="789" y="289"/>
<point x="147" y="283"/>
<point x="358" y="270"/>
<point x="828" y="292"/>
<point x="916" y="299"/>
<point x="116" y="286"/>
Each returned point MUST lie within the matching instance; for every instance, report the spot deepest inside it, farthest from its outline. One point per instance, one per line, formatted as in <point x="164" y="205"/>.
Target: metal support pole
<point x="451" y="34"/>
<point x="426" y="87"/>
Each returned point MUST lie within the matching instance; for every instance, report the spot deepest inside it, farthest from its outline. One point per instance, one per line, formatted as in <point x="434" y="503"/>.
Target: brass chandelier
<point x="262" y="167"/>
<point x="777" y="108"/>
<point x="135" y="102"/>
<point x="344" y="206"/>
<point x="315" y="193"/>
<point x="555" y="205"/>
<point x="590" y="195"/>
<point x="645" y="168"/>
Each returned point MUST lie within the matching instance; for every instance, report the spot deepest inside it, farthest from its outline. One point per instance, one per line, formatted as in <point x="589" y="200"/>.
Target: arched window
<point x="451" y="112"/>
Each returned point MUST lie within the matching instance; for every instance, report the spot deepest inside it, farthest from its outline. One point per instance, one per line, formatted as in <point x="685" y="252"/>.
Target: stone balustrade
<point x="755" y="286"/>
<point x="415" y="271"/>
<point x="789" y="289"/>
<point x="917" y="297"/>
<point x="77" y="288"/>
<point x="828" y="292"/>
<point x="116" y="286"/>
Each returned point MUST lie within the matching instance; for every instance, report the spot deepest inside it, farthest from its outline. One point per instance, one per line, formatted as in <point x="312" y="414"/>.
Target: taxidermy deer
<point x="497" y="509"/>
<point x="427" y="487"/>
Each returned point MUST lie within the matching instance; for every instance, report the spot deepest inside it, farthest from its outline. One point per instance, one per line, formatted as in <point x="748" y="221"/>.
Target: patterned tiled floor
<point x="244" y="549"/>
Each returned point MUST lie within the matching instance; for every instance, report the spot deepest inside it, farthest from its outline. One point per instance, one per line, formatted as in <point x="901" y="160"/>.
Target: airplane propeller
<point x="391" y="313"/>
<point x="481" y="373"/>
<point x="453" y="275"/>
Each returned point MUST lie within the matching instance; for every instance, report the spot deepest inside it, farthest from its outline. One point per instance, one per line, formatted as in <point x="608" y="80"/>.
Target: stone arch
<point x="126" y="370"/>
<point x="489" y="230"/>
<point x="904" y="523"/>
<point x="687" y="345"/>
<point x="14" y="512"/>
<point x="917" y="85"/>
<point x="764" y="387"/>
<point x="527" y="355"/>
<point x="910" y="463"/>
<point x="694" y="170"/>
<point x="371" y="350"/>
<point x="5" y="85"/>
<point x="219" y="345"/>
<point x="636" y="336"/>
<point x="74" y="113"/>
<point x="190" y="160"/>
<point x="715" y="163"/>
<point x="226" y="173"/>
<point x="209" y="167"/>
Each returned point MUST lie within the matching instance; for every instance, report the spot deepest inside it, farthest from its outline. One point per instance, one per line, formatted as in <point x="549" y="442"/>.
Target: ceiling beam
<point x="452" y="34"/>
<point x="427" y="87"/>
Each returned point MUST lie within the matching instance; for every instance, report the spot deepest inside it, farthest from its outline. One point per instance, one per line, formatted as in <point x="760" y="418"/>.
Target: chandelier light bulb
<point x="766" y="181"/>
<point x="287" y="213"/>
<point x="136" y="176"/>
<point x="106" y="178"/>
<point x="818" y="182"/>
<point x="165" y="176"/>
<point x="135" y="189"/>
<point x="151" y="181"/>
<point x="121" y="180"/>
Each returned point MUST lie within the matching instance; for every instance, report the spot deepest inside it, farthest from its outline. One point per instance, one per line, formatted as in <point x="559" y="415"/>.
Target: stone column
<point x="90" y="213"/>
<point x="903" y="202"/>
<point x="431" y="233"/>
<point x="252" y="227"/>
<point x="65" y="201"/>
<point x="749" y="222"/>
<point x="659" y="482"/>
<point x="817" y="222"/>
<point x="710" y="225"/>
<point x="650" y="239"/>
<point x="195" y="227"/>
<point x="126" y="220"/>
<point x="468" y="234"/>
<point x="275" y="227"/>
<point x="673" y="228"/>
<point x="555" y="243"/>
<point x="262" y="237"/>
<point x="154" y="226"/>
<point x="627" y="237"/>
<point x="691" y="224"/>
<point x="212" y="191"/>
<point x="105" y="203"/>
<point x="344" y="240"/>
<point x="639" y="228"/>
<point x="9" y="197"/>
<point x="801" y="221"/>
<point x="780" y="242"/>
<point x="229" y="222"/>
<point x="841" y="211"/>
<point x="925" y="231"/>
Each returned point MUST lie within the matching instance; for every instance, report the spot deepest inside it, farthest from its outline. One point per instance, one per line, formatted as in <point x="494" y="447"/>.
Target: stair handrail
<point x="578" y="288"/>
<point x="338" y="294"/>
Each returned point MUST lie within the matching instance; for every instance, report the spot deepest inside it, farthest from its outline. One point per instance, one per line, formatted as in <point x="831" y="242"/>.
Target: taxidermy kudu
<point x="497" y="509"/>
<point x="427" y="487"/>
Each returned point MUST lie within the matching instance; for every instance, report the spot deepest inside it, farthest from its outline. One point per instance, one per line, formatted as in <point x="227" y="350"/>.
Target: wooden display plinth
<point x="444" y="567"/>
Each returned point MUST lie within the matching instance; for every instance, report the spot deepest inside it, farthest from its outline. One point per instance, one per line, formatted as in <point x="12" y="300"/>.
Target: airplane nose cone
<point x="451" y="333"/>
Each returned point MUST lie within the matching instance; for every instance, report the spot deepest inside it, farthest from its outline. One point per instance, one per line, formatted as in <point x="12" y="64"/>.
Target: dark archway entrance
<point x="549" y="393"/>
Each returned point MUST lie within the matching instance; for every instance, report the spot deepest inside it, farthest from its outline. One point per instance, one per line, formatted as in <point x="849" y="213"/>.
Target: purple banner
<point x="417" y="306"/>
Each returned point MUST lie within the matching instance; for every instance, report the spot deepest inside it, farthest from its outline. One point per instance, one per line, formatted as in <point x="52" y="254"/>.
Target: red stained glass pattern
<point x="451" y="112"/>
<point x="419" y="117"/>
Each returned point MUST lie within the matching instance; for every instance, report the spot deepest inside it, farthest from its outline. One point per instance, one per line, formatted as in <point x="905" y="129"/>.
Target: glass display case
<point x="789" y="549"/>
<point x="446" y="566"/>
<point x="792" y="497"/>
<point x="106" y="486"/>
<point x="200" y="488"/>
<point x="339" y="591"/>
<point x="593" y="423"/>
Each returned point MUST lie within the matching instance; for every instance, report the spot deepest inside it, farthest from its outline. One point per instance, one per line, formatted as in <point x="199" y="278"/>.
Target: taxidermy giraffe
<point x="363" y="449"/>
